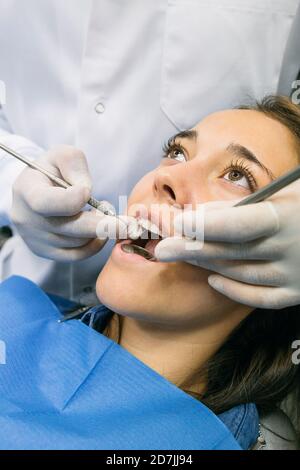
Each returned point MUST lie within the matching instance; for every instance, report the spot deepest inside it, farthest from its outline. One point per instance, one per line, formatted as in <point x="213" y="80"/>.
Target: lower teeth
<point x="138" y="250"/>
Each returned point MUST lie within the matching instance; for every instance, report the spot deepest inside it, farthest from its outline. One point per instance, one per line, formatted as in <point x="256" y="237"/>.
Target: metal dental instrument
<point x="100" y="205"/>
<point x="271" y="188"/>
<point x="138" y="250"/>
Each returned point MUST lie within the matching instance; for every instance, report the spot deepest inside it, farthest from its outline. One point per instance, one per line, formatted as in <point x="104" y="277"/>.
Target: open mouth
<point x="143" y="246"/>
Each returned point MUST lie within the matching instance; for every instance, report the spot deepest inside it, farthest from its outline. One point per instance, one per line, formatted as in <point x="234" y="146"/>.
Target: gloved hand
<point x="254" y="249"/>
<point x="50" y="219"/>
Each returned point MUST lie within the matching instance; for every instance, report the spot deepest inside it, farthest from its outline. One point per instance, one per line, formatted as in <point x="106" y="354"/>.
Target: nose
<point x="171" y="186"/>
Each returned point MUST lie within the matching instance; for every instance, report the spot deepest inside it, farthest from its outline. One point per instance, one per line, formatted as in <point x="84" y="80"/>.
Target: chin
<point x="178" y="294"/>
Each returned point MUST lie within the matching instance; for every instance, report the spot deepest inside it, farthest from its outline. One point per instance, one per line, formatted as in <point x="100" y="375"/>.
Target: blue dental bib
<point x="66" y="386"/>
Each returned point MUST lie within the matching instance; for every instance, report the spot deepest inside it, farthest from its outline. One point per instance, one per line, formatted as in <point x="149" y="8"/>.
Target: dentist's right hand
<point x="50" y="219"/>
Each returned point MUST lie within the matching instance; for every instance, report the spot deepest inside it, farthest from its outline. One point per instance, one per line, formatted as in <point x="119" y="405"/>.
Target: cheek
<point x="187" y="297"/>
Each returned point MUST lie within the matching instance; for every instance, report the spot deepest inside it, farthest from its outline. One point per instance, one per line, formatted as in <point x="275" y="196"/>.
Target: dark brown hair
<point x="255" y="364"/>
<point x="281" y="109"/>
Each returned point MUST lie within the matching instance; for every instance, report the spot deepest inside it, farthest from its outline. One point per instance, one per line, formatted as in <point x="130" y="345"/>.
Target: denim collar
<point x="243" y="422"/>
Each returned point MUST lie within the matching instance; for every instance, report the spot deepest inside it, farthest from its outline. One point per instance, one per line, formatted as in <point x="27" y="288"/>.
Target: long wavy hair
<point x="255" y="364"/>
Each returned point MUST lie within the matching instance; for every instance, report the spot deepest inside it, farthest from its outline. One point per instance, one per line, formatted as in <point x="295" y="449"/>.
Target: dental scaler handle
<point x="102" y="206"/>
<point x="271" y="188"/>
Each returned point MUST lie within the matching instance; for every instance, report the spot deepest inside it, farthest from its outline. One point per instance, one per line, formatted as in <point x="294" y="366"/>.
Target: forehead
<point x="267" y="138"/>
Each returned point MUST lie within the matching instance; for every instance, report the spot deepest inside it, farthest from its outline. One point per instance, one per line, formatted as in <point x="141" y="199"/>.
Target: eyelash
<point x="239" y="165"/>
<point x="170" y="146"/>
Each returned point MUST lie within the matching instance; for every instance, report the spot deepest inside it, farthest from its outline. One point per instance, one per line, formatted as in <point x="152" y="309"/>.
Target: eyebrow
<point x="191" y="134"/>
<point x="241" y="151"/>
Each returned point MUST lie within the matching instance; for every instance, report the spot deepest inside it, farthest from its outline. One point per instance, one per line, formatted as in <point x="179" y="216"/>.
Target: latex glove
<point x="254" y="249"/>
<point x="50" y="219"/>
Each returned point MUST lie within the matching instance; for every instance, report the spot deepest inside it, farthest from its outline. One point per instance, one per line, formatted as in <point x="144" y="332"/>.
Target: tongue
<point x="150" y="245"/>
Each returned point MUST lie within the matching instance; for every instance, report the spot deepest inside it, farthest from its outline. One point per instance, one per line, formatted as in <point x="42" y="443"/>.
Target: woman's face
<point x="227" y="156"/>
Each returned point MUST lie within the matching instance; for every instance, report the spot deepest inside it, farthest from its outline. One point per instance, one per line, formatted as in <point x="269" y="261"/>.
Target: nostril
<point x="170" y="191"/>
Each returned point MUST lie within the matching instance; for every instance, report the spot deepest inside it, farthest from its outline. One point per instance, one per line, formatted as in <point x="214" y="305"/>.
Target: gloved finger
<point x="178" y="249"/>
<point x="43" y="197"/>
<point x="253" y="296"/>
<point x="55" y="241"/>
<point x="172" y="249"/>
<point x="68" y="254"/>
<point x="87" y="224"/>
<point x="50" y="201"/>
<point x="71" y="163"/>
<point x="255" y="273"/>
<point x="230" y="224"/>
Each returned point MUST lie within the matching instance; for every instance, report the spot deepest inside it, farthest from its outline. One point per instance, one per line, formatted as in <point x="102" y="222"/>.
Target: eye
<point x="239" y="174"/>
<point x="238" y="177"/>
<point x="175" y="152"/>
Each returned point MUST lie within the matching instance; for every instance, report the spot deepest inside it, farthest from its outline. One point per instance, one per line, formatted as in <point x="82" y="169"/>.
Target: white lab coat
<point x="115" y="78"/>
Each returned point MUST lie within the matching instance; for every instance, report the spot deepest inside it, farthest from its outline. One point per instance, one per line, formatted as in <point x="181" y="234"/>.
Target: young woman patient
<point x="235" y="360"/>
<point x="166" y="314"/>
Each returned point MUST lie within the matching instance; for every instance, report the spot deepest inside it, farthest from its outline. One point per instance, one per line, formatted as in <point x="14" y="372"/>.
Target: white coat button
<point x="99" y="108"/>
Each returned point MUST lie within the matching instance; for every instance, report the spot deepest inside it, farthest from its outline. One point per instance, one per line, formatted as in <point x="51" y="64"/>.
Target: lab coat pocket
<point x="217" y="53"/>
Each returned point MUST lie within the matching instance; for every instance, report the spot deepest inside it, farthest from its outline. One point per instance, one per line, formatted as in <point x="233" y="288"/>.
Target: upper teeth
<point x="149" y="227"/>
<point x="135" y="231"/>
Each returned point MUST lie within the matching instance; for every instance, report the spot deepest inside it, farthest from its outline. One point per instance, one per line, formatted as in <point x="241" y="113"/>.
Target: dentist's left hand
<point x="254" y="249"/>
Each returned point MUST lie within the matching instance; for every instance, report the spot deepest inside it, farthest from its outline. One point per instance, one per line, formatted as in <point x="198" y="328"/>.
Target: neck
<point x="175" y="353"/>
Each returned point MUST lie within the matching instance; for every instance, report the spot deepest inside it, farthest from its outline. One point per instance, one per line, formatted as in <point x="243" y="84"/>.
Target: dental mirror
<point x="138" y="250"/>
